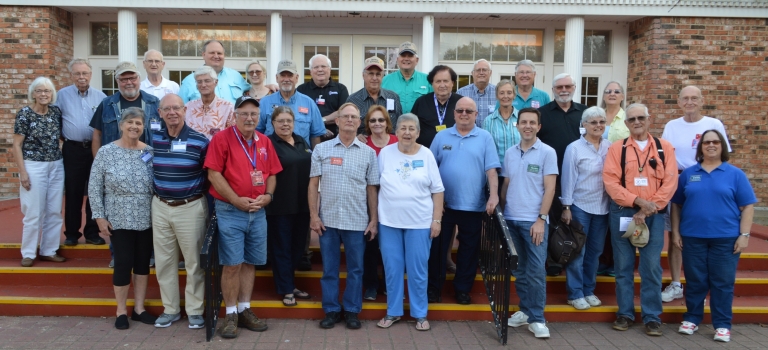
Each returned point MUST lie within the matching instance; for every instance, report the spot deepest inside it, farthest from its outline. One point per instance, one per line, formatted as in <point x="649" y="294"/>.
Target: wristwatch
<point x="543" y="217"/>
<point x="744" y="234"/>
<point x="324" y="120"/>
<point x="271" y="197"/>
<point x="566" y="207"/>
<point x="439" y="222"/>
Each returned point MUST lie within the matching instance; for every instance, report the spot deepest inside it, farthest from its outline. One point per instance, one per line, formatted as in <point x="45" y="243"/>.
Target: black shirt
<point x="98" y="123"/>
<point x="290" y="195"/>
<point x="328" y="98"/>
<point x="560" y="128"/>
<point x="424" y="108"/>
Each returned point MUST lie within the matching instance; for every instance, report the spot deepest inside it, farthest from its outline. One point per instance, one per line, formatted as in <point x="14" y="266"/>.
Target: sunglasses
<point x="640" y="119"/>
<point x="597" y="122"/>
<point x="464" y="111"/>
<point x="380" y="120"/>
<point x="615" y="92"/>
<point x="711" y="142"/>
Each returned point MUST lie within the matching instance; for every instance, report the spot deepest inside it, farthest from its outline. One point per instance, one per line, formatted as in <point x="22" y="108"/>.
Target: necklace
<point x="640" y="167"/>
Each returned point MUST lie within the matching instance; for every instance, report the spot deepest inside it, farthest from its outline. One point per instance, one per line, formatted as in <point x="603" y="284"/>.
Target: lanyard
<point x="253" y="146"/>
<point x="440" y="118"/>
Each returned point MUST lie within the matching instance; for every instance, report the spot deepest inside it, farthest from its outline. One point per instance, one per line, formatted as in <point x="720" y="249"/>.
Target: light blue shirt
<point x="505" y="134"/>
<point x="308" y="122"/>
<point x="231" y="85"/>
<point x="582" y="178"/>
<point x="77" y="111"/>
<point x="463" y="161"/>
<point x="537" y="96"/>
<point x="485" y="101"/>
<point x="526" y="172"/>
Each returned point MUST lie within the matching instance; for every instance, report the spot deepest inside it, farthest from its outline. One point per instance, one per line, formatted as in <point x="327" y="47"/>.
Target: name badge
<point x="178" y="146"/>
<point x="491" y="108"/>
<point x="641" y="182"/>
<point x="418" y="164"/>
<point x="257" y="178"/>
<point x="694" y="178"/>
<point x="320" y="101"/>
<point x="582" y="131"/>
<point x="514" y="124"/>
<point x="533" y="168"/>
<point x="624" y="222"/>
<point x="535" y="104"/>
<point x="303" y="110"/>
<point x="390" y="104"/>
<point x="447" y="147"/>
<point x="440" y="128"/>
<point x="333" y="92"/>
<point x="146" y="156"/>
<point x="695" y="141"/>
<point x="213" y="131"/>
<point x="337" y="161"/>
<point x="154" y="125"/>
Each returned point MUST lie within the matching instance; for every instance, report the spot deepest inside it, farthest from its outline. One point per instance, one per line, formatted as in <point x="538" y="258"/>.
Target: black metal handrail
<point x="209" y="261"/>
<point x="497" y="260"/>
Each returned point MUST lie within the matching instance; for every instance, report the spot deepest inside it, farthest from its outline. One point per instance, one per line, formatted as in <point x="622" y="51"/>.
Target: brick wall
<point x="727" y="59"/>
<point x="34" y="41"/>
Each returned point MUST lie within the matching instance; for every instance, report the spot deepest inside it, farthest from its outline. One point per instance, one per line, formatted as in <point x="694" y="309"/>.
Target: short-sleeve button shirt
<point x="526" y="172"/>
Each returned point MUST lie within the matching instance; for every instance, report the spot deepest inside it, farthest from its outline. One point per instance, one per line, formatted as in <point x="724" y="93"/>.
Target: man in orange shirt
<point x="640" y="190"/>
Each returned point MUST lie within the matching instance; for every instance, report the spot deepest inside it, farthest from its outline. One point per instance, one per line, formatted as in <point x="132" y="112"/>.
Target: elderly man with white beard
<point x="560" y="121"/>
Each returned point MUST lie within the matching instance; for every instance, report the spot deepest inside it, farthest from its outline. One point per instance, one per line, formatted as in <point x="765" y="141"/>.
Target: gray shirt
<point x="363" y="101"/>
<point x="77" y="111"/>
<point x="344" y="172"/>
<point x="526" y="171"/>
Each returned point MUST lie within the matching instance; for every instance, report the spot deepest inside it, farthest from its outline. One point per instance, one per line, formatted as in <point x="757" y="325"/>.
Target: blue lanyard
<point x="253" y="146"/>
<point x="440" y="118"/>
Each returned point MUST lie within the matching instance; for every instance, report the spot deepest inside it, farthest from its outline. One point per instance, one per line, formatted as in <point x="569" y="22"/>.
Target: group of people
<point x="386" y="171"/>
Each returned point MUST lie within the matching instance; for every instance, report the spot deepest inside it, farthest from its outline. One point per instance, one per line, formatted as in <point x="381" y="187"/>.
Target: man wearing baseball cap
<point x="308" y="120"/>
<point x="372" y="94"/>
<point x="408" y="83"/>
<point x="241" y="164"/>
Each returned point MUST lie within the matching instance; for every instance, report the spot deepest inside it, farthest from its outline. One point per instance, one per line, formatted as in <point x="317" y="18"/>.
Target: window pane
<point x="517" y="41"/>
<point x="448" y="40"/>
<point x="258" y="41"/>
<point x="239" y="40"/>
<point x="99" y="38"/>
<point x="462" y="81"/>
<point x="188" y="40"/>
<point x="142" y="38"/>
<point x="108" y="82"/>
<point x="587" y="51"/>
<point x="600" y="46"/>
<point x="483" y="43"/>
<point x="113" y="38"/>
<point x="559" y="45"/>
<point x="309" y="51"/>
<point x="391" y="60"/>
<point x="170" y="39"/>
<point x="178" y="75"/>
<point x="206" y="32"/>
<point x="333" y="55"/>
<point x="466" y="41"/>
<point x="534" y="45"/>
<point x="591" y="86"/>
<point x="223" y="33"/>
<point x="500" y="44"/>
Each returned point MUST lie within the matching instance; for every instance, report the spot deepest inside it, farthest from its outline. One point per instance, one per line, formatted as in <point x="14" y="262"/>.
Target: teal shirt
<point x="536" y="95"/>
<point x="230" y="87"/>
<point x="505" y="135"/>
<point x="409" y="90"/>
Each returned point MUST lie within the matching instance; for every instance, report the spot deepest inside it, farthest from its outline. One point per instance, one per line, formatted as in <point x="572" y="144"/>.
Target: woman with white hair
<point x="35" y="149"/>
<point x="209" y="114"/>
<point x="584" y="199"/>
<point x="613" y="103"/>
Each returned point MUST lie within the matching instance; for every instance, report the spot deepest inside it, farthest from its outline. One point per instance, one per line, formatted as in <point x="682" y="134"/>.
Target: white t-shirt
<point x="685" y="136"/>
<point x="165" y="87"/>
<point x="407" y="184"/>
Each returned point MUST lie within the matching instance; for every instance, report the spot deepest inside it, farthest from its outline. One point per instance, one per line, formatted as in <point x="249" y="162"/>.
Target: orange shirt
<point x="662" y="182"/>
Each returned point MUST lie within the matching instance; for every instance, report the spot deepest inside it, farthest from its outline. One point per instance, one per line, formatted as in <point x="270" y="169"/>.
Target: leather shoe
<point x="463" y="298"/>
<point x="554" y="271"/>
<point x="352" y="321"/>
<point x="27" y="262"/>
<point x="54" y="258"/>
<point x="145" y="317"/>
<point x="433" y="296"/>
<point x="71" y="242"/>
<point x="122" y="322"/>
<point x="95" y="241"/>
<point x="330" y="320"/>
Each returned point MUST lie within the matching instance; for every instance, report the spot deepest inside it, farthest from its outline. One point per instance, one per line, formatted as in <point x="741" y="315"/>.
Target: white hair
<point x="41" y="82"/>
<point x="562" y="76"/>
<point x="592" y="112"/>
<point x="153" y="51"/>
<point x="639" y="105"/>
<point x="528" y="63"/>
<point x="318" y="56"/>
<point x="78" y="60"/>
<point x="482" y="60"/>
<point x="206" y="70"/>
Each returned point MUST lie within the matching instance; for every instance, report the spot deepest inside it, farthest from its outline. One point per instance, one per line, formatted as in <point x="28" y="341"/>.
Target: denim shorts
<point x="242" y="235"/>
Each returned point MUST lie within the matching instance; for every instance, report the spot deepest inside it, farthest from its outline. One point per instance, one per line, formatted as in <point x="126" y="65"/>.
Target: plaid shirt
<point x="486" y="101"/>
<point x="344" y="172"/>
<point x="363" y="101"/>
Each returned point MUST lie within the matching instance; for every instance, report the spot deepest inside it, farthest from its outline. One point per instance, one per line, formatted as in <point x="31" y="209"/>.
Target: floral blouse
<point x="41" y="134"/>
<point x="120" y="187"/>
<point x="208" y="120"/>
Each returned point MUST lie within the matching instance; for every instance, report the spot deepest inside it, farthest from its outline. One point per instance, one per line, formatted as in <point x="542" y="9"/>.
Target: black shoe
<point x="554" y="270"/>
<point x="463" y="298"/>
<point x="653" y="328"/>
<point x="433" y="296"/>
<point x="352" y="321"/>
<point x="622" y="323"/>
<point x="121" y="322"/>
<point x="95" y="241"/>
<point x="70" y="242"/>
<point x="331" y="319"/>
<point x="145" y="317"/>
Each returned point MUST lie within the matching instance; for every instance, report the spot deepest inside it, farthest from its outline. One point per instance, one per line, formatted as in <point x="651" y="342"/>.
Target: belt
<point x="178" y="202"/>
<point x="83" y="144"/>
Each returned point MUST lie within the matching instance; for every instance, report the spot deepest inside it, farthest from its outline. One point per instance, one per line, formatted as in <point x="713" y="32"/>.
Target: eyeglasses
<point x="81" y="74"/>
<point x="564" y="87"/>
<point x="463" y="111"/>
<point x="132" y="79"/>
<point x="524" y="72"/>
<point x="597" y="122"/>
<point x="349" y="116"/>
<point x="204" y="81"/>
<point x="246" y="114"/>
<point x="691" y="99"/>
<point x="46" y="92"/>
<point x="641" y="119"/>
<point x="172" y="108"/>
<point x="153" y="61"/>
<point x="283" y="121"/>
<point x="379" y="120"/>
<point x="320" y="67"/>
<point x="255" y="72"/>
<point x="615" y="92"/>
<point x="482" y="70"/>
<point x="711" y="142"/>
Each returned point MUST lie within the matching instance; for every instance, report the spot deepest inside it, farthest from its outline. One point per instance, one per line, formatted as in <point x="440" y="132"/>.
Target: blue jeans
<point x="330" y="249"/>
<point x="531" y="275"/>
<point x="286" y="237"/>
<point x="581" y="273"/>
<point x="242" y="235"/>
<point x="650" y="266"/>
<point x="409" y="249"/>
<point x="710" y="266"/>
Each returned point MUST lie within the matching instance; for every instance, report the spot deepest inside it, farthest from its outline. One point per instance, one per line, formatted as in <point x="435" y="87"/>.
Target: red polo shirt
<point x="227" y="156"/>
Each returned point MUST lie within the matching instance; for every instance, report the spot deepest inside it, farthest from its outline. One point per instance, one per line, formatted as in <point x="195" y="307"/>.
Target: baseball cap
<point x="638" y="234"/>
<point x="245" y="98"/>
<point x="407" y="47"/>
<point x="373" y="61"/>
<point x="286" y="66"/>
<point x="125" y="67"/>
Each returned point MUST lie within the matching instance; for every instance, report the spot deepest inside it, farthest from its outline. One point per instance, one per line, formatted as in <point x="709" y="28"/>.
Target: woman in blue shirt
<point x="711" y="218"/>
<point x="502" y="123"/>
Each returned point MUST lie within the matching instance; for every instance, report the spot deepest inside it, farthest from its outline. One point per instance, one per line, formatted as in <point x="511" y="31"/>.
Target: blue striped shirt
<point x="77" y="111"/>
<point x="179" y="175"/>
<point x="582" y="178"/>
<point x="505" y="134"/>
<point x="485" y="101"/>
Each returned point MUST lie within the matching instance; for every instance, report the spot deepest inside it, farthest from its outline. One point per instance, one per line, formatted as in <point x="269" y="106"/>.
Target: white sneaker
<point x="593" y="300"/>
<point x="723" y="335"/>
<point x="518" y="319"/>
<point x="672" y="292"/>
<point x="579" y="304"/>
<point x="687" y="328"/>
<point x="539" y="330"/>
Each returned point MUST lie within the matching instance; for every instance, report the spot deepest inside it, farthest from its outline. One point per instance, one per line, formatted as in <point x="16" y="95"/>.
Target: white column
<point x="574" y="51"/>
<point x="276" y="45"/>
<point x="126" y="35"/>
<point x="427" y="43"/>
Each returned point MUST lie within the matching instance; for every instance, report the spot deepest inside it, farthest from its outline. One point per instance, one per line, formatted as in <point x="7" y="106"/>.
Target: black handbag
<point x="565" y="241"/>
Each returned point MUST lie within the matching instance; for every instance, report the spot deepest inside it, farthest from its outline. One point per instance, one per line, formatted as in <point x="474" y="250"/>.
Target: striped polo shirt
<point x="178" y="163"/>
